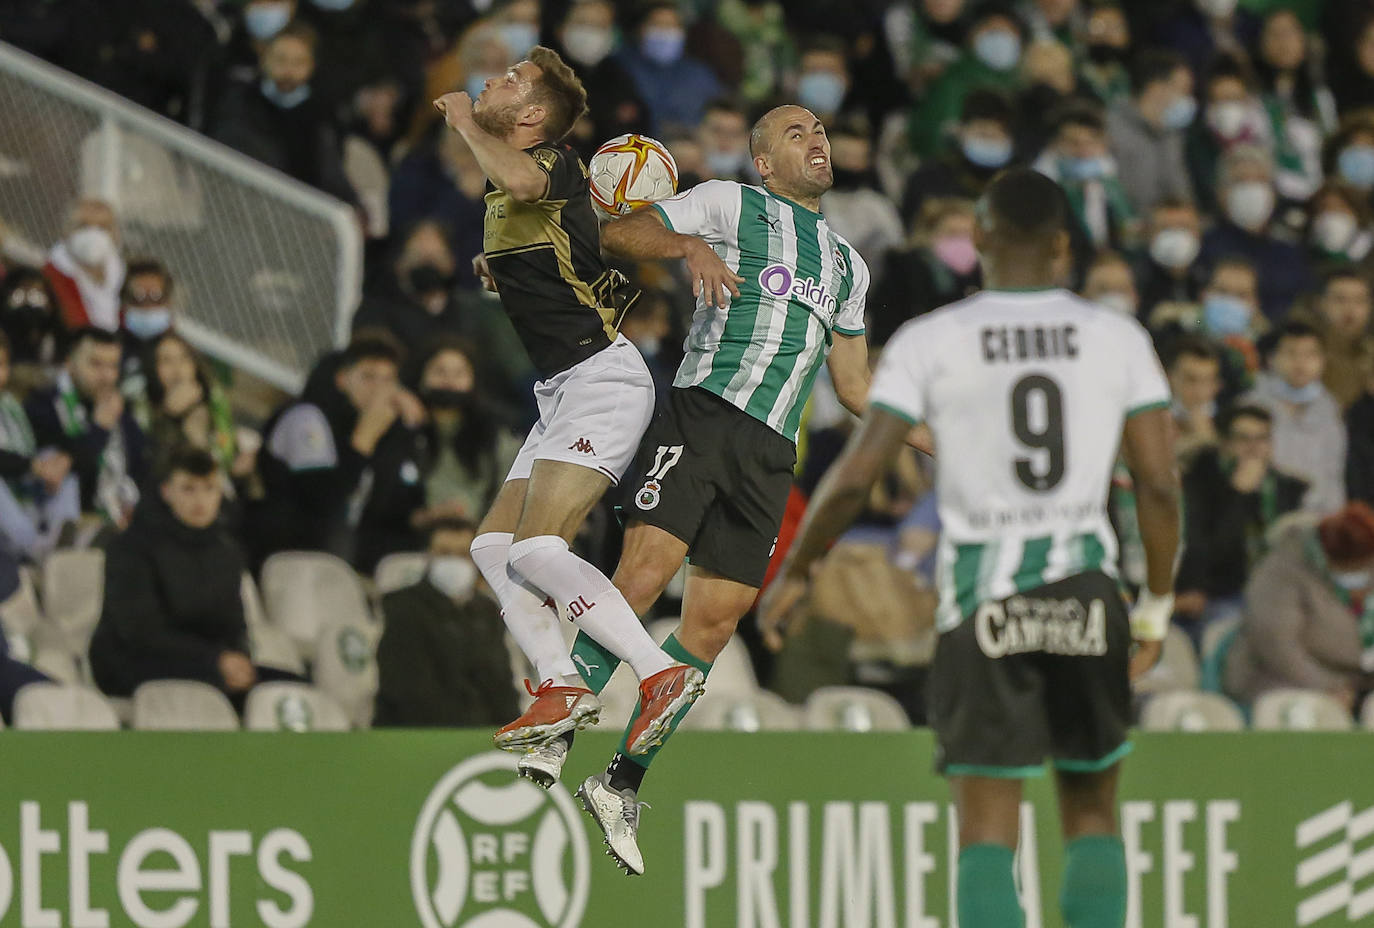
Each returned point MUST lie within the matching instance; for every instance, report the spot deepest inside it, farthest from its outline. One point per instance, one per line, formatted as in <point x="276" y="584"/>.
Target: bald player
<point x="778" y="293"/>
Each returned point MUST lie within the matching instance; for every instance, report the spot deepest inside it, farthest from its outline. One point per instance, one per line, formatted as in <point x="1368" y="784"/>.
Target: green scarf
<point x="1316" y="557"/>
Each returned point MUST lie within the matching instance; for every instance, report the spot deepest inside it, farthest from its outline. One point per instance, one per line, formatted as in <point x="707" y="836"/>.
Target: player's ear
<point x="534" y="114"/>
<point x="761" y="165"/>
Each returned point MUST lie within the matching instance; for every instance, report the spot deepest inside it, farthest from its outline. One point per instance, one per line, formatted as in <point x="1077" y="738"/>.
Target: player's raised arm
<point x="642" y="235"/>
<point x="506" y="166"/>
<point x="1148" y="443"/>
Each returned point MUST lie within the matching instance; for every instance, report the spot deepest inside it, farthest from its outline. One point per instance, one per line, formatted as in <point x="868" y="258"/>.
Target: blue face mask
<point x="332" y="6"/>
<point x="264" y="20"/>
<point x="820" y="91"/>
<point x="518" y="37"/>
<point x="1351" y="579"/>
<point x="1225" y="315"/>
<point x="1290" y="394"/>
<point x="1356" y="165"/>
<point x="663" y="45"/>
<point x="1082" y="169"/>
<point x="998" y="49"/>
<point x="987" y="153"/>
<point x="476" y="83"/>
<point x="1180" y="113"/>
<point x="286" y="100"/>
<point x="147" y="324"/>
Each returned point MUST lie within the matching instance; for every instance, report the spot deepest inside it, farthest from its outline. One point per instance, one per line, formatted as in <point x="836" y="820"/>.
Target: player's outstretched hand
<point x="1144" y="657"/>
<point x="456" y="107"/>
<point x="483" y="272"/>
<point x="778" y="607"/>
<point x="710" y="275"/>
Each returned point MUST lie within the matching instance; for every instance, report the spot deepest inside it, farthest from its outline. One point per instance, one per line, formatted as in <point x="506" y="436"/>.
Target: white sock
<point x="591" y="601"/>
<point x="532" y="622"/>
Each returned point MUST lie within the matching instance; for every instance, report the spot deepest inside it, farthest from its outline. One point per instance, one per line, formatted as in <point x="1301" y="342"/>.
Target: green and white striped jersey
<point x="1026" y="394"/>
<point x="802" y="282"/>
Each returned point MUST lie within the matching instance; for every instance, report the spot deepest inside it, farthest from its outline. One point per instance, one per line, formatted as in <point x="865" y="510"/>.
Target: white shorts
<point x="592" y="414"/>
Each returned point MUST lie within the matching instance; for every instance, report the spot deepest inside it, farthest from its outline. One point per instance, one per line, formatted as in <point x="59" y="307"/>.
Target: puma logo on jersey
<point x="772" y="223"/>
<point x="581" y="661"/>
<point x="583" y="446"/>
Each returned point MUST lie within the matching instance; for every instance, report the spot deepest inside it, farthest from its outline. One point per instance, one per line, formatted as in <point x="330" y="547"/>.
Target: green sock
<point x="987" y="888"/>
<point x="1093" y="894"/>
<point x="678" y="653"/>
<point x="594" y="662"/>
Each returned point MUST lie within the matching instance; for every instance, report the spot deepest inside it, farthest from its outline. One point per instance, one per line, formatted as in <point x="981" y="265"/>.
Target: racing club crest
<point x="648" y="495"/>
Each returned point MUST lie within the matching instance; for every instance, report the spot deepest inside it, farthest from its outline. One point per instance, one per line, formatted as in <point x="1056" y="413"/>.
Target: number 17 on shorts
<point x="665" y="458"/>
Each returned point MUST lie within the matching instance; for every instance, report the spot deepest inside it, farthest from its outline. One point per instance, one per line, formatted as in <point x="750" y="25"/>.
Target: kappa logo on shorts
<point x="583" y="446"/>
<point x="648" y="495"/>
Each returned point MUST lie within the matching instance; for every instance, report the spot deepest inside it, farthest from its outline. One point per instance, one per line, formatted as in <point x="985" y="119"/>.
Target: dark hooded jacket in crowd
<point x="172" y="603"/>
<point x="358" y="509"/>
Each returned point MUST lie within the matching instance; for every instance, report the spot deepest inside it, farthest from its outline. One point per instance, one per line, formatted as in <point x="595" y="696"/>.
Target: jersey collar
<point x="792" y="203"/>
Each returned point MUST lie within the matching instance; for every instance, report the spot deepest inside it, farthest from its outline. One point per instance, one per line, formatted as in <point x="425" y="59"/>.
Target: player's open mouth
<point x="819" y="161"/>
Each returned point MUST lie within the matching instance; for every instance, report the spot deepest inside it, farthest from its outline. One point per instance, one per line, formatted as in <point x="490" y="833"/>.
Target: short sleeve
<point x="850" y="318"/>
<point x="708" y="210"/>
<point x="898" y="387"/>
<point x="567" y="174"/>
<point x="1147" y="387"/>
<point x="303" y="440"/>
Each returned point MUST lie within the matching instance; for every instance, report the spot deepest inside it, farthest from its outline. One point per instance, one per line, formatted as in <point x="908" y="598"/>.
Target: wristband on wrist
<point x="1151" y="615"/>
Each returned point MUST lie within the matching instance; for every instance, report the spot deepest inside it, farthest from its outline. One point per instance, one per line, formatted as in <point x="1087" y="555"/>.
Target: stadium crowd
<point x="1218" y="158"/>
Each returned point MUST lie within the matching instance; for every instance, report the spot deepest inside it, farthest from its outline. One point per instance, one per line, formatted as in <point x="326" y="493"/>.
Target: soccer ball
<point x="631" y="171"/>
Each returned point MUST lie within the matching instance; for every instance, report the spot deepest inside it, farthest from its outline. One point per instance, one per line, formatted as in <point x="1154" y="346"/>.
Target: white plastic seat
<point x="400" y="570"/>
<point x="1178" y="667"/>
<point x="852" y="708"/>
<point x="74" y="592"/>
<point x="21" y="613"/>
<point x="760" y="711"/>
<point x="306" y="591"/>
<point x="62" y="707"/>
<point x="1213" y="634"/>
<point x="182" y="705"/>
<point x="1367" y="715"/>
<point x="1183" y="710"/>
<point x="345" y="669"/>
<point x="1288" y="709"/>
<point x="57" y="664"/>
<point x="291" y="707"/>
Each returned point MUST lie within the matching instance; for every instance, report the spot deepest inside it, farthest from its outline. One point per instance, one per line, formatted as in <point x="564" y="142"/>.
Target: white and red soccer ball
<point x="631" y="171"/>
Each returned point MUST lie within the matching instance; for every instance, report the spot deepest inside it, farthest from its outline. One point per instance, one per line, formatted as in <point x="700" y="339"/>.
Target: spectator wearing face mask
<point x="938" y="265"/>
<point x="991" y="60"/>
<point x="1343" y="309"/>
<point x="442" y="660"/>
<point x="724" y="139"/>
<point x="1079" y="160"/>
<point x="39" y="495"/>
<point x="1228" y="316"/>
<point x="1145" y="132"/>
<point x="1109" y="284"/>
<point x="85" y="416"/>
<point x="854" y="207"/>
<point x="85" y="269"/>
<point x="760" y="28"/>
<point x="587" y="39"/>
<point x="1202" y="30"/>
<point x="467" y="448"/>
<point x="29" y="319"/>
<point x="823" y="80"/>
<point x="1247" y="229"/>
<point x="1338" y="232"/>
<point x="1309" y="430"/>
<point x="1349" y="153"/>
<point x="146" y="312"/>
<point x="1167" y="268"/>
<point x="675" y="87"/>
<point x="414" y="300"/>
<point x="441" y="181"/>
<point x="1308" y="620"/>
<point x="1102" y="68"/>
<point x="259" y="23"/>
<point x="1232" y="496"/>
<point x="277" y="120"/>
<point x="340" y="455"/>
<point x="981" y="146"/>
<point x="1194" y="371"/>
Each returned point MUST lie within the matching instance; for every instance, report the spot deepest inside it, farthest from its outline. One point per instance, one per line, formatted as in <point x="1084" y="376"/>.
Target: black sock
<point x="625" y="773"/>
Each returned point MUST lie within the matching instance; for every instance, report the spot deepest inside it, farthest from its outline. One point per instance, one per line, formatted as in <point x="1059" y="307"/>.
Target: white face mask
<point x="452" y="575"/>
<point x="1332" y="231"/>
<point x="91" y="245"/>
<point x="1216" y="9"/>
<point x="588" y="44"/>
<point x="1250" y="204"/>
<point x="1116" y="302"/>
<point x="1228" y="119"/>
<point x="1351" y="579"/>
<point x="1175" y="248"/>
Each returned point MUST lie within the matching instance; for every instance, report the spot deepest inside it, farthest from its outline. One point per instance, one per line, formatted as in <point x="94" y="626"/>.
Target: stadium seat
<point x="1367" y="714"/>
<point x="182" y="705"/>
<point x="1182" y="710"/>
<point x="345" y="669"/>
<point x="57" y="663"/>
<point x="1299" y="710"/>
<point x="853" y="708"/>
<point x="396" y="571"/>
<point x="760" y="711"/>
<point x="62" y="707"/>
<point x="306" y="591"/>
<point x="732" y="671"/>
<point x="21" y="614"/>
<point x="73" y="593"/>
<point x="1212" y="636"/>
<point x="1177" y="668"/>
<point x="291" y="707"/>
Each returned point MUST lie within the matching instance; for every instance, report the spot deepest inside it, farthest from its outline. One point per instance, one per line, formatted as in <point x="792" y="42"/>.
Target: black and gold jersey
<point x="546" y="260"/>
